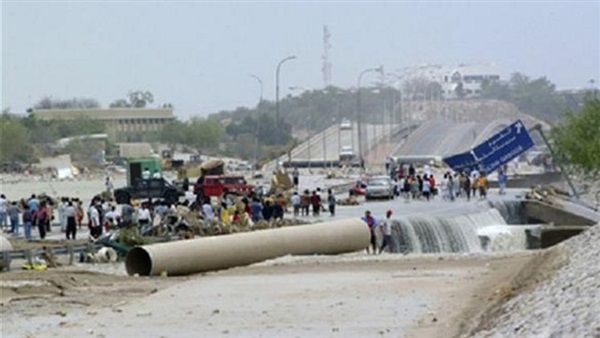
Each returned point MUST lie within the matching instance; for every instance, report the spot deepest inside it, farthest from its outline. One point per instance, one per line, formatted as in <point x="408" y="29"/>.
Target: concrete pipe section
<point x="222" y="252"/>
<point x="5" y="246"/>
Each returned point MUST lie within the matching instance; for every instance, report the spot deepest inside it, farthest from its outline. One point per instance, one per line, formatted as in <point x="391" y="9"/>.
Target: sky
<point x="198" y="55"/>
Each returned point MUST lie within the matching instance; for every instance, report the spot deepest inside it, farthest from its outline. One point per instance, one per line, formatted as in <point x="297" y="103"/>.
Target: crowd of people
<point x="37" y="212"/>
<point x="423" y="185"/>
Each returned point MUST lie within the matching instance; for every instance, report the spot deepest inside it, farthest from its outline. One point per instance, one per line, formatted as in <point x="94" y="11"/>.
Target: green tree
<point x="577" y="140"/>
<point x="536" y="97"/>
<point x="13" y="139"/>
<point x="135" y="99"/>
<point x="174" y="133"/>
<point x="74" y="103"/>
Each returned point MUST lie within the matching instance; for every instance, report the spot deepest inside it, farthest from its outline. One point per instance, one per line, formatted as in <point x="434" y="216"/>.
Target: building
<point x="122" y="124"/>
<point x="460" y="81"/>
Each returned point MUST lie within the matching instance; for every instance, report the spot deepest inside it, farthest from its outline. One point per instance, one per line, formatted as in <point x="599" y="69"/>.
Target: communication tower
<point x="326" y="69"/>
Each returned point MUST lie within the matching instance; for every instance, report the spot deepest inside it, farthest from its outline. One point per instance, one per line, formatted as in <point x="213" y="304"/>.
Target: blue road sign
<point x="461" y="162"/>
<point x="496" y="151"/>
<point x="499" y="149"/>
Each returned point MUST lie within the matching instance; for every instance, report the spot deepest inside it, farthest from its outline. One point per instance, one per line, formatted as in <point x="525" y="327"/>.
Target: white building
<point x="455" y="81"/>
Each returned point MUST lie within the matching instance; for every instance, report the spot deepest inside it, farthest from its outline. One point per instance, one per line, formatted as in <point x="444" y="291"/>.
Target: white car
<point x="346" y="153"/>
<point x="380" y="187"/>
<point x="346" y="124"/>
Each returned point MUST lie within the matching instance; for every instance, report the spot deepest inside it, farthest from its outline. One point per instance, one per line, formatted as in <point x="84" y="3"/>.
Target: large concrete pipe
<point x="221" y="252"/>
<point x="5" y="249"/>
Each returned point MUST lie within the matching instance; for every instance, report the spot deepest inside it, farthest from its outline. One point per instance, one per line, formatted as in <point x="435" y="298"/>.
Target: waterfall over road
<point x="486" y="230"/>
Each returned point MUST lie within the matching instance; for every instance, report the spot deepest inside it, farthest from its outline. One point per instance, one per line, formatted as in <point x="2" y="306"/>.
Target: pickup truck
<point x="150" y="188"/>
<point x="220" y="185"/>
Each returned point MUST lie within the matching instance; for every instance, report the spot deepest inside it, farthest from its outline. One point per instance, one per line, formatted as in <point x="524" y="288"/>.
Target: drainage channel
<point x="508" y="225"/>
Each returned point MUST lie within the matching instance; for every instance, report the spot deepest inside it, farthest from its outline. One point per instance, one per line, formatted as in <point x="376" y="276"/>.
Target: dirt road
<point x="334" y="296"/>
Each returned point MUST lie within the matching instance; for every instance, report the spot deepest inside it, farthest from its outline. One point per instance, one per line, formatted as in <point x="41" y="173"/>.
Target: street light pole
<point x="277" y="86"/>
<point x="277" y="121"/>
<point x="358" y="112"/>
<point x="261" y="86"/>
<point x="257" y="130"/>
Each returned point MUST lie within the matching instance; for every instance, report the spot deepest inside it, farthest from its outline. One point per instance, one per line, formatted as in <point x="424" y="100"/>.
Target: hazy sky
<point x="197" y="55"/>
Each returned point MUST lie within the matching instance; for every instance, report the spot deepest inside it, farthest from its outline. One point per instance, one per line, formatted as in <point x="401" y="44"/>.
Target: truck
<point x="155" y="188"/>
<point x="140" y="188"/>
<point x="213" y="182"/>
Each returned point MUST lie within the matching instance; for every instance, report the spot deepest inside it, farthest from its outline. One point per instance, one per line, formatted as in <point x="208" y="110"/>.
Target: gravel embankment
<point x="567" y="305"/>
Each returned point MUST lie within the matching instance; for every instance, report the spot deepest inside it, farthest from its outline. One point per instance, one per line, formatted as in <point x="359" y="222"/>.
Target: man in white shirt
<point x="296" y="201"/>
<point x="70" y="216"/>
<point x="386" y="228"/>
<point x="474" y="175"/>
<point x="143" y="215"/>
<point x="95" y="226"/>
<point x="112" y="216"/>
<point x="156" y="174"/>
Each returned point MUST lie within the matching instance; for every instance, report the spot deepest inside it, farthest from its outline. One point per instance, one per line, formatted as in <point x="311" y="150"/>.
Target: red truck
<point x="221" y="185"/>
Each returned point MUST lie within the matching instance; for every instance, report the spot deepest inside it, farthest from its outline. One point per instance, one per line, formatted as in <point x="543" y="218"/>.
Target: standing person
<point x="156" y="174"/>
<point x="331" y="202"/>
<point x="267" y="211"/>
<point x="450" y="186"/>
<point x="411" y="170"/>
<point x="296" y="202"/>
<point x="108" y="184"/>
<point x="27" y="220"/>
<point x="433" y="187"/>
<point x="386" y="228"/>
<point x="70" y="214"/>
<point x="426" y="190"/>
<point x="3" y="212"/>
<point x="482" y="185"/>
<point x="144" y="217"/>
<point x="13" y="212"/>
<point x="127" y="213"/>
<point x="502" y="178"/>
<point x="467" y="186"/>
<point x="296" y="177"/>
<point x="94" y="225"/>
<point x="371" y="223"/>
<point x="278" y="211"/>
<point x="256" y="210"/>
<point x="80" y="213"/>
<point x="33" y="203"/>
<point x="315" y="200"/>
<point x="112" y="218"/>
<point x="305" y="203"/>
<point x="146" y="174"/>
<point x="42" y="219"/>
<point x="61" y="213"/>
<point x="474" y="175"/>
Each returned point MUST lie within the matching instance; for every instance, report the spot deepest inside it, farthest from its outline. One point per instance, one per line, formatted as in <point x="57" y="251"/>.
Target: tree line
<point x="255" y="132"/>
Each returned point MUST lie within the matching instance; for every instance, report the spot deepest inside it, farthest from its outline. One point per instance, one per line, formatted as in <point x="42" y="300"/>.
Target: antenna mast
<point x="326" y="64"/>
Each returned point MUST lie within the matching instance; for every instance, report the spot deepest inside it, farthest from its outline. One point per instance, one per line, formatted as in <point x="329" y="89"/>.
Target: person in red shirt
<point x="432" y="184"/>
<point x="372" y="224"/>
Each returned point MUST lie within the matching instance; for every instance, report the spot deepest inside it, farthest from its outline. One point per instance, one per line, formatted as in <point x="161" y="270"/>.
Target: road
<point x="326" y="145"/>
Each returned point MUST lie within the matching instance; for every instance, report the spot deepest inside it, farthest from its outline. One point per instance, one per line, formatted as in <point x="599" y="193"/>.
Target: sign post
<point x="494" y="152"/>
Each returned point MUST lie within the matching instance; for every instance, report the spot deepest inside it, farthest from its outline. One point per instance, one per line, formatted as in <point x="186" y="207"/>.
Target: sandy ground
<point x="353" y="295"/>
<point x="335" y="296"/>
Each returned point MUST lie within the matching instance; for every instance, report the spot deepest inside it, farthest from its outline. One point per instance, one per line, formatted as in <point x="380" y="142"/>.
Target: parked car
<point x="379" y="187"/>
<point x="345" y="124"/>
